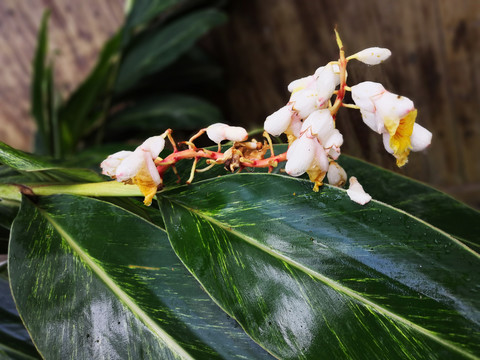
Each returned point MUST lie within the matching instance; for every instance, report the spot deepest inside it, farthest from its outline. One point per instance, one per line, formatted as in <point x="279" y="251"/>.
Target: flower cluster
<point x="308" y="120"/>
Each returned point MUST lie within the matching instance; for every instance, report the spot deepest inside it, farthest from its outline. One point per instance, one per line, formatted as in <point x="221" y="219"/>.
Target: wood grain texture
<point x="435" y="62"/>
<point x="77" y="31"/>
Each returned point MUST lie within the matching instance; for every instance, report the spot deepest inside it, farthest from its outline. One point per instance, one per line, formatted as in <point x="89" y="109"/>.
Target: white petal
<point x="372" y="121"/>
<point x="421" y="138"/>
<point x="235" y="133"/>
<point x="373" y="55"/>
<point x="295" y="126"/>
<point x="300" y="156"/>
<point x="216" y="132"/>
<point x="336" y="174"/>
<point x="393" y="107"/>
<point x="320" y="160"/>
<point x="279" y="121"/>
<point x="130" y="166"/>
<point x="154" y="145"/>
<point x="356" y="193"/>
<point x="304" y="102"/>
<point x="386" y="142"/>
<point x="110" y="164"/>
<point x="300" y="84"/>
<point x="152" y="169"/>
<point x="334" y="140"/>
<point x="363" y="93"/>
<point x="320" y="123"/>
<point x="334" y="153"/>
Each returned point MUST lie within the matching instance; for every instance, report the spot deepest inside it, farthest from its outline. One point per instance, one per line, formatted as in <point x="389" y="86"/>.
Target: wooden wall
<point x="268" y="43"/>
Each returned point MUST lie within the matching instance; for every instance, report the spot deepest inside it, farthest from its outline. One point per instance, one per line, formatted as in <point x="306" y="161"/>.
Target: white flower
<point x="137" y="166"/>
<point x="372" y="56"/>
<point x="278" y="122"/>
<point x="393" y="116"/>
<point x="306" y="154"/>
<point x="300" y="84"/>
<point x="219" y="132"/>
<point x="356" y="193"/>
<point x="326" y="82"/>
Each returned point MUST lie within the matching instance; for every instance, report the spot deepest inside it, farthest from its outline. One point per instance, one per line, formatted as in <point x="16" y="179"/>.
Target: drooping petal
<point x="421" y="138"/>
<point x="276" y="123"/>
<point x="130" y="166"/>
<point x="373" y="55"/>
<point x="386" y="142"/>
<point x="335" y="140"/>
<point x="300" y="156"/>
<point x="356" y="193"/>
<point x="336" y="174"/>
<point x="110" y="164"/>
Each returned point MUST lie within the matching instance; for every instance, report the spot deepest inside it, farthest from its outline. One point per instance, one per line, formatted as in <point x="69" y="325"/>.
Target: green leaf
<point x="87" y="107"/>
<point x="101" y="282"/>
<point x="43" y="95"/>
<point x="315" y="275"/>
<point x="142" y="11"/>
<point x="416" y="198"/>
<point x="15" y="342"/>
<point x="158" y="114"/>
<point x="37" y="169"/>
<point x="160" y="47"/>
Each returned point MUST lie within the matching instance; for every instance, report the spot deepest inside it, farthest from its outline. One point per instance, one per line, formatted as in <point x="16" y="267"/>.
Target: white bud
<point x="373" y="55"/>
<point x="300" y="156"/>
<point x="110" y="164"/>
<point x="235" y="133"/>
<point x="336" y="175"/>
<point x="326" y="82"/>
<point x="356" y="193"/>
<point x="279" y="121"/>
<point x="219" y="132"/>
<point x="421" y="138"/>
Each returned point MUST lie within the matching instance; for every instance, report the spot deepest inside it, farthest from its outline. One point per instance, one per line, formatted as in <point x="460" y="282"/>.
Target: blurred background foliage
<point x="241" y="67"/>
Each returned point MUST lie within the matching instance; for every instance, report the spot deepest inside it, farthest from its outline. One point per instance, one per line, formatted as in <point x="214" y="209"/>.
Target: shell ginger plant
<point x="308" y="120"/>
<point x="253" y="265"/>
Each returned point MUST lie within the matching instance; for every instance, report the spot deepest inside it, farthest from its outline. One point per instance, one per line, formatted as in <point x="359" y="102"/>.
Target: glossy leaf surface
<point x="39" y="169"/>
<point x="15" y="342"/>
<point x="315" y="275"/>
<point x="92" y="280"/>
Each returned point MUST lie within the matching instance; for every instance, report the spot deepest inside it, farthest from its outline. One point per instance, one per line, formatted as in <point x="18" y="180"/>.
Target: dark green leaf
<point x="157" y="114"/>
<point x="142" y="11"/>
<point x="159" y="48"/>
<point x="38" y="169"/>
<point x="92" y="281"/>
<point x="15" y="342"/>
<point x="315" y="275"/>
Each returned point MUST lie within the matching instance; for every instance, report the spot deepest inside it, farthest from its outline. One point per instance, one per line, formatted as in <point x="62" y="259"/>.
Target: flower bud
<point x="300" y="84"/>
<point x="300" y="156"/>
<point x="219" y="132"/>
<point x="336" y="175"/>
<point x="373" y="55"/>
<point x="276" y="123"/>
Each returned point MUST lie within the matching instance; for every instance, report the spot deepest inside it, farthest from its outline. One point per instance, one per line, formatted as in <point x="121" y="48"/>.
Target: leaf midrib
<point x="327" y="281"/>
<point x="136" y="310"/>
